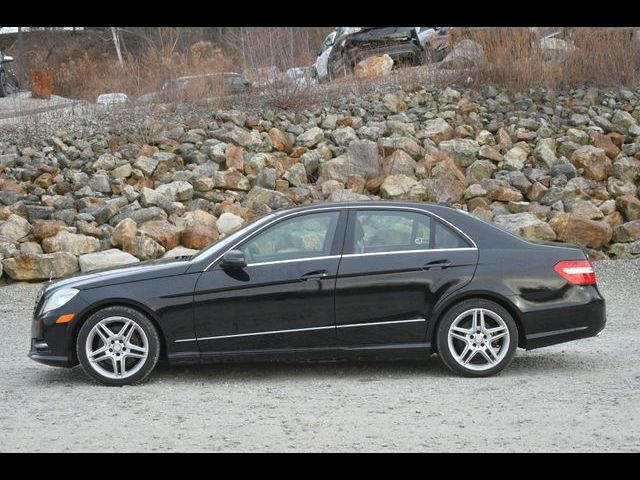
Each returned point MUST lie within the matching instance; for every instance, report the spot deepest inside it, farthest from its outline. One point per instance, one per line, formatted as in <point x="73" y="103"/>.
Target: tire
<point x="483" y="350"/>
<point x="129" y="340"/>
<point x="3" y="89"/>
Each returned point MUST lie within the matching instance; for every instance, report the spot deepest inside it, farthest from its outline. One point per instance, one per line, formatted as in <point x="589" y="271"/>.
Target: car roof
<point x="369" y="204"/>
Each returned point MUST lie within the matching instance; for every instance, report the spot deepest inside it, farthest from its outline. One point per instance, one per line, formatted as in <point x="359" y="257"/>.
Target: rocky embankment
<point x="545" y="165"/>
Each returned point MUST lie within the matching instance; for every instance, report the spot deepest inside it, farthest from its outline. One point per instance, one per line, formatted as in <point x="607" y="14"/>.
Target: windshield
<point x="224" y="243"/>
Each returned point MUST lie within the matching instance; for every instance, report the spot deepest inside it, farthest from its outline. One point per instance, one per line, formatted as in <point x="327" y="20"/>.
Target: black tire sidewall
<point x="144" y="323"/>
<point x="450" y="316"/>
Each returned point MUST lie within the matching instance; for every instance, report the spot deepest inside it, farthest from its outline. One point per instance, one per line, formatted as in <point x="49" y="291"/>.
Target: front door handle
<point x="315" y="275"/>
<point x="437" y="264"/>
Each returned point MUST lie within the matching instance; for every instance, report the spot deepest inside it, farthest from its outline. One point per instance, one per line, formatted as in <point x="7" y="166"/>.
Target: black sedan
<point x="327" y="281"/>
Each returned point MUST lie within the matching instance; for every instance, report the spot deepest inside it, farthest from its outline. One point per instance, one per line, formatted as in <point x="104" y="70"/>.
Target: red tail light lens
<point x="576" y="272"/>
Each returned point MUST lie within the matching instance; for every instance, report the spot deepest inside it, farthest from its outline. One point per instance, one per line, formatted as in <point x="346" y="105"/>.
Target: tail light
<point x="576" y="272"/>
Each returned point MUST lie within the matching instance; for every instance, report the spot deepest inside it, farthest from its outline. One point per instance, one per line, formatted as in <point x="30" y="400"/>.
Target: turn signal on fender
<point x="576" y="272"/>
<point x="65" y="318"/>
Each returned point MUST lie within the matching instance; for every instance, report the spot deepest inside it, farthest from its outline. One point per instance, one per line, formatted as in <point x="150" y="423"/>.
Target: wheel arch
<point x="115" y="302"/>
<point x="440" y="311"/>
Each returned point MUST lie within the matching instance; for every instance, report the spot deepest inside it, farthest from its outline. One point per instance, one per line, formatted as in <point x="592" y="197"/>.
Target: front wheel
<point x="477" y="338"/>
<point x="118" y="346"/>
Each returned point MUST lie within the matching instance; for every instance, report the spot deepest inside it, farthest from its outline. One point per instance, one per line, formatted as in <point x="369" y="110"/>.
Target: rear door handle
<point x="437" y="264"/>
<point x="315" y="275"/>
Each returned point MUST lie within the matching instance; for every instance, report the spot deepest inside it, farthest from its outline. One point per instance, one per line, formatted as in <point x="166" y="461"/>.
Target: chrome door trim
<point x="293" y="330"/>
<point x="381" y="323"/>
<point x="271" y="332"/>
<point x="308" y="259"/>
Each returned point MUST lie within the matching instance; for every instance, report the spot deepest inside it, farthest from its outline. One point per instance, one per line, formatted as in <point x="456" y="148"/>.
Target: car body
<point x="400" y="43"/>
<point x="322" y="71"/>
<point x="333" y="281"/>
<point x="8" y="81"/>
<point x="198" y="86"/>
<point x="425" y="33"/>
<point x="110" y="99"/>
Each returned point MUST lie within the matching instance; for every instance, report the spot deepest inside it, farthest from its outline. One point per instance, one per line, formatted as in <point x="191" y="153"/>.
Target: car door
<point x="284" y="298"/>
<point x="397" y="263"/>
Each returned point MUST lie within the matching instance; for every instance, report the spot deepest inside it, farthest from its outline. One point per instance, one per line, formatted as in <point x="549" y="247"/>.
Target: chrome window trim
<point x="353" y="207"/>
<point x="272" y="332"/>
<point x="410" y="251"/>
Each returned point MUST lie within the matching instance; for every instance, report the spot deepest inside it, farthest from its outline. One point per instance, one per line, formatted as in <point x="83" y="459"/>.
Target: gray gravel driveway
<point x="580" y="396"/>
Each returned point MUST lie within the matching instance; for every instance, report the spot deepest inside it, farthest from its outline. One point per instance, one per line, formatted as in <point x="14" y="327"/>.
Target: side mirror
<point x="234" y="259"/>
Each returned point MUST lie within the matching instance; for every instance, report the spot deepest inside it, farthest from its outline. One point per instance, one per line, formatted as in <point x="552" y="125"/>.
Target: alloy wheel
<point x="117" y="347"/>
<point x="478" y="339"/>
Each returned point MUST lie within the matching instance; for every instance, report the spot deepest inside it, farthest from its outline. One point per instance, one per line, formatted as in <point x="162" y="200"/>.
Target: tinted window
<point x="299" y="237"/>
<point x="392" y="231"/>
<point x="444" y="237"/>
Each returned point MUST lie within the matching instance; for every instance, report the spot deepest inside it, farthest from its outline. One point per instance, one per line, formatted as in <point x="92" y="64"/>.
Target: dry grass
<point x="514" y="58"/>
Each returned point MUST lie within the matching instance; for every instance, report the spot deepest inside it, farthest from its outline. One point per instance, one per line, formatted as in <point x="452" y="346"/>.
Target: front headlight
<point x="59" y="298"/>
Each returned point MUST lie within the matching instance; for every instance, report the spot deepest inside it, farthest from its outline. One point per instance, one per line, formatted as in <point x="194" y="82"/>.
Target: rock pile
<point x="545" y="165"/>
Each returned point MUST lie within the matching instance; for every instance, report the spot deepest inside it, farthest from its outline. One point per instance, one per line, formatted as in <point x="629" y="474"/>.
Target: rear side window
<point x="380" y="231"/>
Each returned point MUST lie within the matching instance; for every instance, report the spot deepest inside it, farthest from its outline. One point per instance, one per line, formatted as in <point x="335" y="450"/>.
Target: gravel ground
<point x="580" y="396"/>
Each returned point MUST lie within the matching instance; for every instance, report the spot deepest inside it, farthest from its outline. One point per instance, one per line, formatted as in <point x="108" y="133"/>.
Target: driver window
<point x="300" y="237"/>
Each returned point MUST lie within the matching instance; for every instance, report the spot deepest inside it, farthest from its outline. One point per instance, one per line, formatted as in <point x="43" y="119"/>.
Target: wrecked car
<point x="402" y="44"/>
<point x="198" y="86"/>
<point x="322" y="59"/>
<point x="8" y="81"/>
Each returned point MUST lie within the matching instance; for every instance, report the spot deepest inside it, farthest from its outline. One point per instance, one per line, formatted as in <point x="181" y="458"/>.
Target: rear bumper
<point x="581" y="314"/>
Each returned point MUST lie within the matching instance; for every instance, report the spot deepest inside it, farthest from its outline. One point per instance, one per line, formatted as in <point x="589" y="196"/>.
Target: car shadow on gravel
<point x="360" y="371"/>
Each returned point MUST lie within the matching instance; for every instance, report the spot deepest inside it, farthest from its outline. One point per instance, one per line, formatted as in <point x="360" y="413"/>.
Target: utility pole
<point x="116" y="42"/>
<point x="20" y="57"/>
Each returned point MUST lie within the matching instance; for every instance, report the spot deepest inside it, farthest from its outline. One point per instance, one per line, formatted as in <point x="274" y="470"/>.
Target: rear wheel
<point x="118" y="346"/>
<point x="477" y="338"/>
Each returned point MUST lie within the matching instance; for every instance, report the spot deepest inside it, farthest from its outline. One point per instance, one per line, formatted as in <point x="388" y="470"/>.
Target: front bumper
<point x="51" y="343"/>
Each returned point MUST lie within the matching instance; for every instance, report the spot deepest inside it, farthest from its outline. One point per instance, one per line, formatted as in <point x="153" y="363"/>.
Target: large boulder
<point x="593" y="160"/>
<point x="437" y="129"/>
<point x="179" y="191"/>
<point x="373" y="67"/>
<point x="311" y="137"/>
<point x="627" y="232"/>
<point x="198" y="237"/>
<point x="629" y="205"/>
<point x="259" y="196"/>
<point x="398" y="186"/>
<point x="41" y="267"/>
<point x="163" y="232"/>
<point x="144" y="248"/>
<point x="464" y="54"/>
<point x="105" y="259"/>
<point x="126" y="228"/>
<point x="229" y="222"/>
<point x="15" y="227"/>
<point x="526" y="225"/>
<point x="589" y="233"/>
<point x="74" y="243"/>
<point x="462" y="150"/>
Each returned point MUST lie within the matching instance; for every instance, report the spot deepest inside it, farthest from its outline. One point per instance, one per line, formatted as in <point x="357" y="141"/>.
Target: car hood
<point x="165" y="267"/>
<point x="381" y="33"/>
